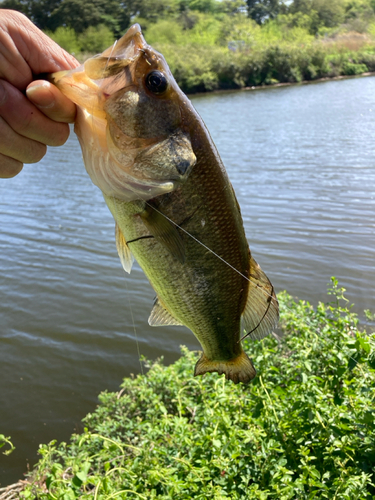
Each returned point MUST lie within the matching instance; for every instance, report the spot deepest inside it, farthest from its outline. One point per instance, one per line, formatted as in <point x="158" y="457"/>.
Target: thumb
<point x="51" y="102"/>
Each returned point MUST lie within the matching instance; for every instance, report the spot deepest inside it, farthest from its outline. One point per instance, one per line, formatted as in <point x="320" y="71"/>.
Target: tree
<point x="39" y="11"/>
<point x="77" y="14"/>
<point x="232" y="7"/>
<point x="261" y="10"/>
<point x="80" y="14"/>
<point x="328" y="13"/>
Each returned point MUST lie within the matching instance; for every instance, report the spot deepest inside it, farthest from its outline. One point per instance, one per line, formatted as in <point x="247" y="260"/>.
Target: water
<point x="302" y="162"/>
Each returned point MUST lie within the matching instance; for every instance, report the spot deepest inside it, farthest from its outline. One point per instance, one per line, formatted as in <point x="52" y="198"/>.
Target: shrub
<point x="67" y="38"/>
<point x="304" y="428"/>
<point x="95" y="39"/>
<point x="350" y="68"/>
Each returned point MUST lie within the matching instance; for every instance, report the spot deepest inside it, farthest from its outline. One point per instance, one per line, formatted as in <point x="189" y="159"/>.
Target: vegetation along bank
<point x="227" y="44"/>
<point x="304" y="428"/>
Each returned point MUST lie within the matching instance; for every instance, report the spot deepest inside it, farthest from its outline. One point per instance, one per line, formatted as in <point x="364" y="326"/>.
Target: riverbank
<point x="194" y="81"/>
<point x="204" y="69"/>
<point x="304" y="427"/>
<point x="276" y="85"/>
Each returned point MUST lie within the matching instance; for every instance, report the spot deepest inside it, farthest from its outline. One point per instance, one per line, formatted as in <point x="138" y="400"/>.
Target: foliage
<point x="67" y="38"/>
<point x="203" y="68"/>
<point x="6" y="441"/>
<point x="75" y="14"/>
<point x="261" y="10"/>
<point x="97" y="39"/>
<point x="92" y="40"/>
<point x="321" y="12"/>
<point x="117" y="15"/>
<point x="304" y="428"/>
<point x="212" y="44"/>
<point x="221" y="52"/>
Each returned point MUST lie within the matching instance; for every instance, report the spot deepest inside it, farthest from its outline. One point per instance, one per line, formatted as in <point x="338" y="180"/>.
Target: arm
<point x="29" y="124"/>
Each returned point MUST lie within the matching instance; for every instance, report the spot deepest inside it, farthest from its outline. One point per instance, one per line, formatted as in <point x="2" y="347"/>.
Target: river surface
<point x="72" y="324"/>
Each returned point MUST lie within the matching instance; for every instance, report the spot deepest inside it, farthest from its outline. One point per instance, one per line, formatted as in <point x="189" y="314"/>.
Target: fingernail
<point x="3" y="93"/>
<point x="41" y="95"/>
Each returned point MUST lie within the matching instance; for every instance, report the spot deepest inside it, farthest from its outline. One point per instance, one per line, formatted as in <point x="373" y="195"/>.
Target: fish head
<point x="130" y="120"/>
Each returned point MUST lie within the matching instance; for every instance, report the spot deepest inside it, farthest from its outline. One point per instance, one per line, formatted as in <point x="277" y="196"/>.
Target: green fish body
<point x="176" y="212"/>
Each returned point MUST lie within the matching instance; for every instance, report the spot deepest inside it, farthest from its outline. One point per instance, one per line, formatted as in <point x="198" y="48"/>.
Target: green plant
<point x="304" y="428"/>
<point x="96" y="39"/>
<point x="6" y="441"/>
<point x="67" y="38"/>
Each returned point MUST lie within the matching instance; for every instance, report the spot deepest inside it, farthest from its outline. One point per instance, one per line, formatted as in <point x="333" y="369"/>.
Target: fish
<point x="149" y="152"/>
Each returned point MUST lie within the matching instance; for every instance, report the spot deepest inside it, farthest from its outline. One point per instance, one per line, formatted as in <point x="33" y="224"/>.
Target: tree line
<point x="118" y="15"/>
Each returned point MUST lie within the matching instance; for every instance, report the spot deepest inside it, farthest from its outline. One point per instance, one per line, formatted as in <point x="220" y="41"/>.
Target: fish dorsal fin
<point x="126" y="257"/>
<point x="261" y="312"/>
<point x="164" y="231"/>
<point x="99" y="67"/>
<point x="160" y="316"/>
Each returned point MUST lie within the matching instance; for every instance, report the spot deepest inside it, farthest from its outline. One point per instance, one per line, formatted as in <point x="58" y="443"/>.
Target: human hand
<point x="29" y="124"/>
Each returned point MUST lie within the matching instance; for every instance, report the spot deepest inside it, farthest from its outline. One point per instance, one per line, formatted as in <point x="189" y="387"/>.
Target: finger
<point x="19" y="148"/>
<point x="26" y="50"/>
<point x="51" y="101"/>
<point x="13" y="66"/>
<point x="25" y="119"/>
<point x="9" y="167"/>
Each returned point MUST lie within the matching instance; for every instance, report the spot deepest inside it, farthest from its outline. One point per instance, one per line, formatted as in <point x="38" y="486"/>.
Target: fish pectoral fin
<point x="261" y="312"/>
<point x="126" y="257"/>
<point x="160" y="316"/>
<point x="164" y="231"/>
<point x="239" y="369"/>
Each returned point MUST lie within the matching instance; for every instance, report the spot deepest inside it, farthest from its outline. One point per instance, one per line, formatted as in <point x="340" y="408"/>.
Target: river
<point x="72" y="324"/>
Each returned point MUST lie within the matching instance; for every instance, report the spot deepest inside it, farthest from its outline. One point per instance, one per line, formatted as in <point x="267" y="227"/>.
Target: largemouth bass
<point x="147" y="149"/>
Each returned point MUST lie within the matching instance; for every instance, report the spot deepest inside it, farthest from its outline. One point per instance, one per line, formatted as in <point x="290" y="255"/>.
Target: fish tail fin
<point x="239" y="369"/>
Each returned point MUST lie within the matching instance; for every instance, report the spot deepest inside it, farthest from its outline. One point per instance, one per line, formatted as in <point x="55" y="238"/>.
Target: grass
<point x="304" y="428"/>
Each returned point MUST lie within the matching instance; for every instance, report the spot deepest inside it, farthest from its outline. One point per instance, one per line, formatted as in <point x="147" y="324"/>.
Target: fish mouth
<point x="85" y="83"/>
<point x="108" y="89"/>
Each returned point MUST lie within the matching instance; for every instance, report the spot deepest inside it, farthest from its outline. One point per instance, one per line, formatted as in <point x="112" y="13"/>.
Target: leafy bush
<point x="93" y="40"/>
<point x="350" y="68"/>
<point x="304" y="428"/>
<point x="96" y="39"/>
<point x="67" y="38"/>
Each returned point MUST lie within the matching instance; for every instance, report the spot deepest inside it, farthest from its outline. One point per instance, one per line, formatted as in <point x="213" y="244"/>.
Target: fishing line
<point x="207" y="248"/>
<point x="133" y="323"/>
<point x="309" y="323"/>
<point x="130" y="304"/>
<point x="115" y="205"/>
<point x="218" y="257"/>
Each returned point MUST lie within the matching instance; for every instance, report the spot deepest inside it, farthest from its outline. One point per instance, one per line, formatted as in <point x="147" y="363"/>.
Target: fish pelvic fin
<point x="239" y="369"/>
<point x="126" y="257"/>
<point x="261" y="312"/>
<point x="160" y="316"/>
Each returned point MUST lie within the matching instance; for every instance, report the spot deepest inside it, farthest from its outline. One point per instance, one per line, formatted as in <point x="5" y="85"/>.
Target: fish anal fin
<point x="261" y="312"/>
<point x="164" y="231"/>
<point x="126" y="257"/>
<point x="160" y="316"/>
<point x="238" y="369"/>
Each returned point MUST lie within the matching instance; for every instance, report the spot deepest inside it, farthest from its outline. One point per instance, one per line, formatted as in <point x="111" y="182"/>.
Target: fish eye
<point x="156" y="82"/>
